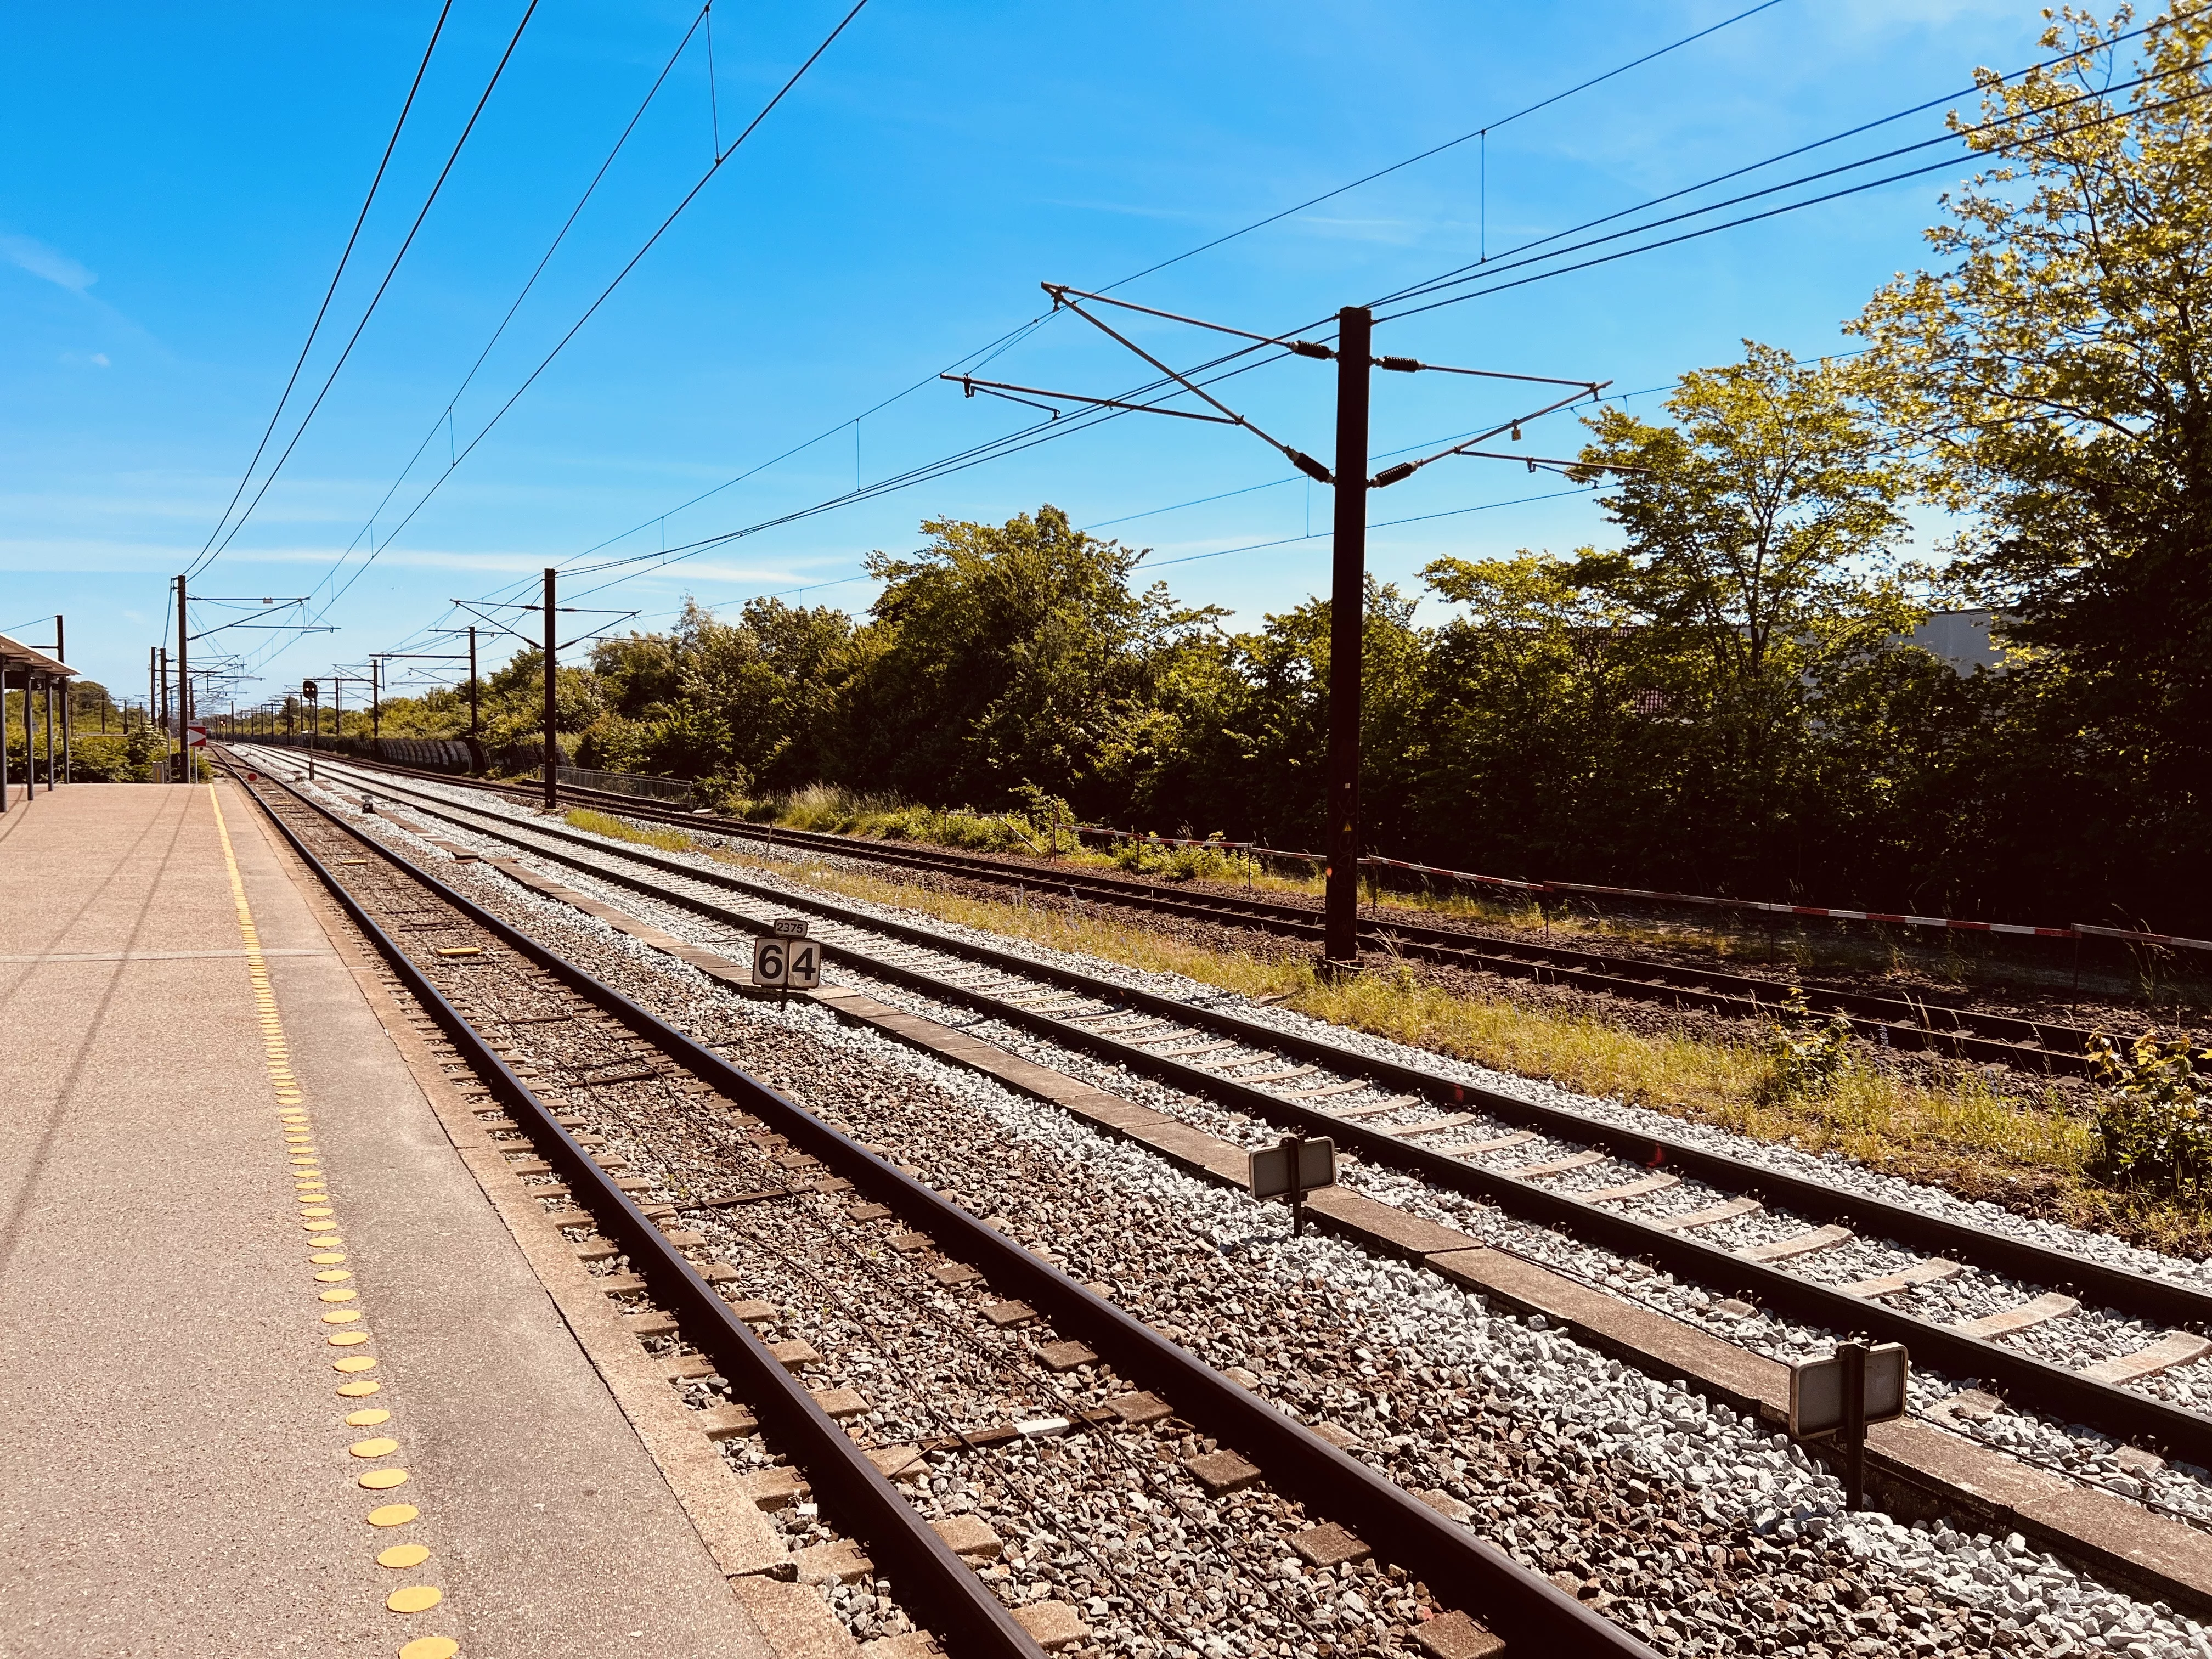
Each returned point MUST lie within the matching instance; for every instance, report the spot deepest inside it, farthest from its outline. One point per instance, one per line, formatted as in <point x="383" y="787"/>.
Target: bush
<point x="1808" y="1057"/>
<point x="108" y="757"/>
<point x="1206" y="862"/>
<point x="2153" y="1129"/>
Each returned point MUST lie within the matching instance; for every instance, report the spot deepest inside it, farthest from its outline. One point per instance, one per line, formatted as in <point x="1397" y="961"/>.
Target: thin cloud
<point x="51" y="264"/>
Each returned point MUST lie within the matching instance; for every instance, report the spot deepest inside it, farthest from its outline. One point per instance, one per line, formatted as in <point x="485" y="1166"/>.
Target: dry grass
<point x="2019" y="1147"/>
<point x="600" y="823"/>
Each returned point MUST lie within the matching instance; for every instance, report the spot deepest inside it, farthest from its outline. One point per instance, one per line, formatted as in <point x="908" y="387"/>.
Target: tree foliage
<point x="2057" y="369"/>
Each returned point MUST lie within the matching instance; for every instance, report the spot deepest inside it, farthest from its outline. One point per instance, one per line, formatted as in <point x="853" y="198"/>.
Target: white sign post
<point x="1840" y="1396"/>
<point x="787" y="960"/>
<point x="1290" y="1170"/>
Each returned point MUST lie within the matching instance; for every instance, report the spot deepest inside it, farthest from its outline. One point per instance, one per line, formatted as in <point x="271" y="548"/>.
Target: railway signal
<point x="1348" y="567"/>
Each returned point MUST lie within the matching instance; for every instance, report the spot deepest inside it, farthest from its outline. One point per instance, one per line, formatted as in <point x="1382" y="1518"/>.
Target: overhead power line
<point x="1449" y="143"/>
<point x="1029" y="436"/>
<point x="375" y="299"/>
<point x="575" y="328"/>
<point x="323" y="310"/>
<point x="1041" y="432"/>
<point x="977" y="358"/>
<point x="446" y="413"/>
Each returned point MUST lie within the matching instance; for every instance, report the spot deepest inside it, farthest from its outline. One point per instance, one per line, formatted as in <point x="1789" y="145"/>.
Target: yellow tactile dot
<point x="327" y="1258"/>
<point x="346" y="1295"/>
<point x="379" y="1447"/>
<point x="383" y="1480"/>
<point x="367" y="1419"/>
<point x="315" y="1227"/>
<point x="431" y="1647"/>
<point x="341" y="1315"/>
<point x="326" y="1238"/>
<point x="404" y="1555"/>
<point x="392" y="1515"/>
<point x="346" y="1339"/>
<point x="333" y="1275"/>
<point x="314" y="1210"/>
<point x="360" y="1390"/>
<point x="415" y="1598"/>
<point x="353" y="1362"/>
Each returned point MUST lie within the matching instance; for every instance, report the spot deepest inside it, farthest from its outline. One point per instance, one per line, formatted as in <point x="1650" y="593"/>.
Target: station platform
<point x="205" y="1126"/>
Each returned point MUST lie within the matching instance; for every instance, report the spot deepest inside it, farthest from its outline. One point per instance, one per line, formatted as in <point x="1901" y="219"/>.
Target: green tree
<point x="2057" y="366"/>
<point x="1006" y="655"/>
<point x="1652" y="710"/>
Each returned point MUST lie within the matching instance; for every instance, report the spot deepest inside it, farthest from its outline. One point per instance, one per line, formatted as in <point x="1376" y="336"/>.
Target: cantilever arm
<point x="1001" y="388"/>
<point x="1405" y="470"/>
<point x="1298" y="458"/>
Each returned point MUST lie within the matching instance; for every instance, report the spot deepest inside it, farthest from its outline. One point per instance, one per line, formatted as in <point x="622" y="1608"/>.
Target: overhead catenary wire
<point x="1477" y="266"/>
<point x="977" y="358"/>
<point x="1027" y="437"/>
<point x="377" y="298"/>
<point x="660" y="230"/>
<point x="1774" y="212"/>
<point x="1507" y="263"/>
<point x="1450" y="144"/>
<point x="322" y="310"/>
<point x="445" y="419"/>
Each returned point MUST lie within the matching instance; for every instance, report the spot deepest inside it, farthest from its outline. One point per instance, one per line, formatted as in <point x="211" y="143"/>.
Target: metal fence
<point x="673" y="790"/>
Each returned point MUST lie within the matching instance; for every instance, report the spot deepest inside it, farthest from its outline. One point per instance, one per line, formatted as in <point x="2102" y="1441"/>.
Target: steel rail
<point x="1912" y="1023"/>
<point x="2143" y="1295"/>
<point x="1461" y="1570"/>
<point x="2133" y="1417"/>
<point x="932" y="1581"/>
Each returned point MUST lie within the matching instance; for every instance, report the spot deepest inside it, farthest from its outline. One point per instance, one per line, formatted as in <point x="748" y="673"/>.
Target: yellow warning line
<point x="335" y="1292"/>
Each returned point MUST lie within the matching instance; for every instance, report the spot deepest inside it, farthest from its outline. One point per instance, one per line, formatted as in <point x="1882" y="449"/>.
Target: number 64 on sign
<point x="787" y="964"/>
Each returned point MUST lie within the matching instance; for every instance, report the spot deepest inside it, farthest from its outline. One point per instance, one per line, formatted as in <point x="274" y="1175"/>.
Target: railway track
<point x="1918" y="1023"/>
<point x="2080" y="1340"/>
<point x="648" y="1149"/>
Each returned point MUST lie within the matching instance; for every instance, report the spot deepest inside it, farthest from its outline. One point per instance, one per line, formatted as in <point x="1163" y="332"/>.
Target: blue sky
<point x="182" y="181"/>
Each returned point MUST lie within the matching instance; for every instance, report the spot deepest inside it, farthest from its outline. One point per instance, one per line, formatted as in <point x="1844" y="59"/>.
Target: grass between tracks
<point x="2010" y="1140"/>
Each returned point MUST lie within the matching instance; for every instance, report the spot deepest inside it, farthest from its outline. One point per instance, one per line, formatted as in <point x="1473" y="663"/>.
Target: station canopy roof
<point x="18" y="658"/>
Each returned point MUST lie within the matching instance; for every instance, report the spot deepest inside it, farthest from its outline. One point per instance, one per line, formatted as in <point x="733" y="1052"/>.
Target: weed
<point x="1810" y="1056"/>
<point x="2154" y="1128"/>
